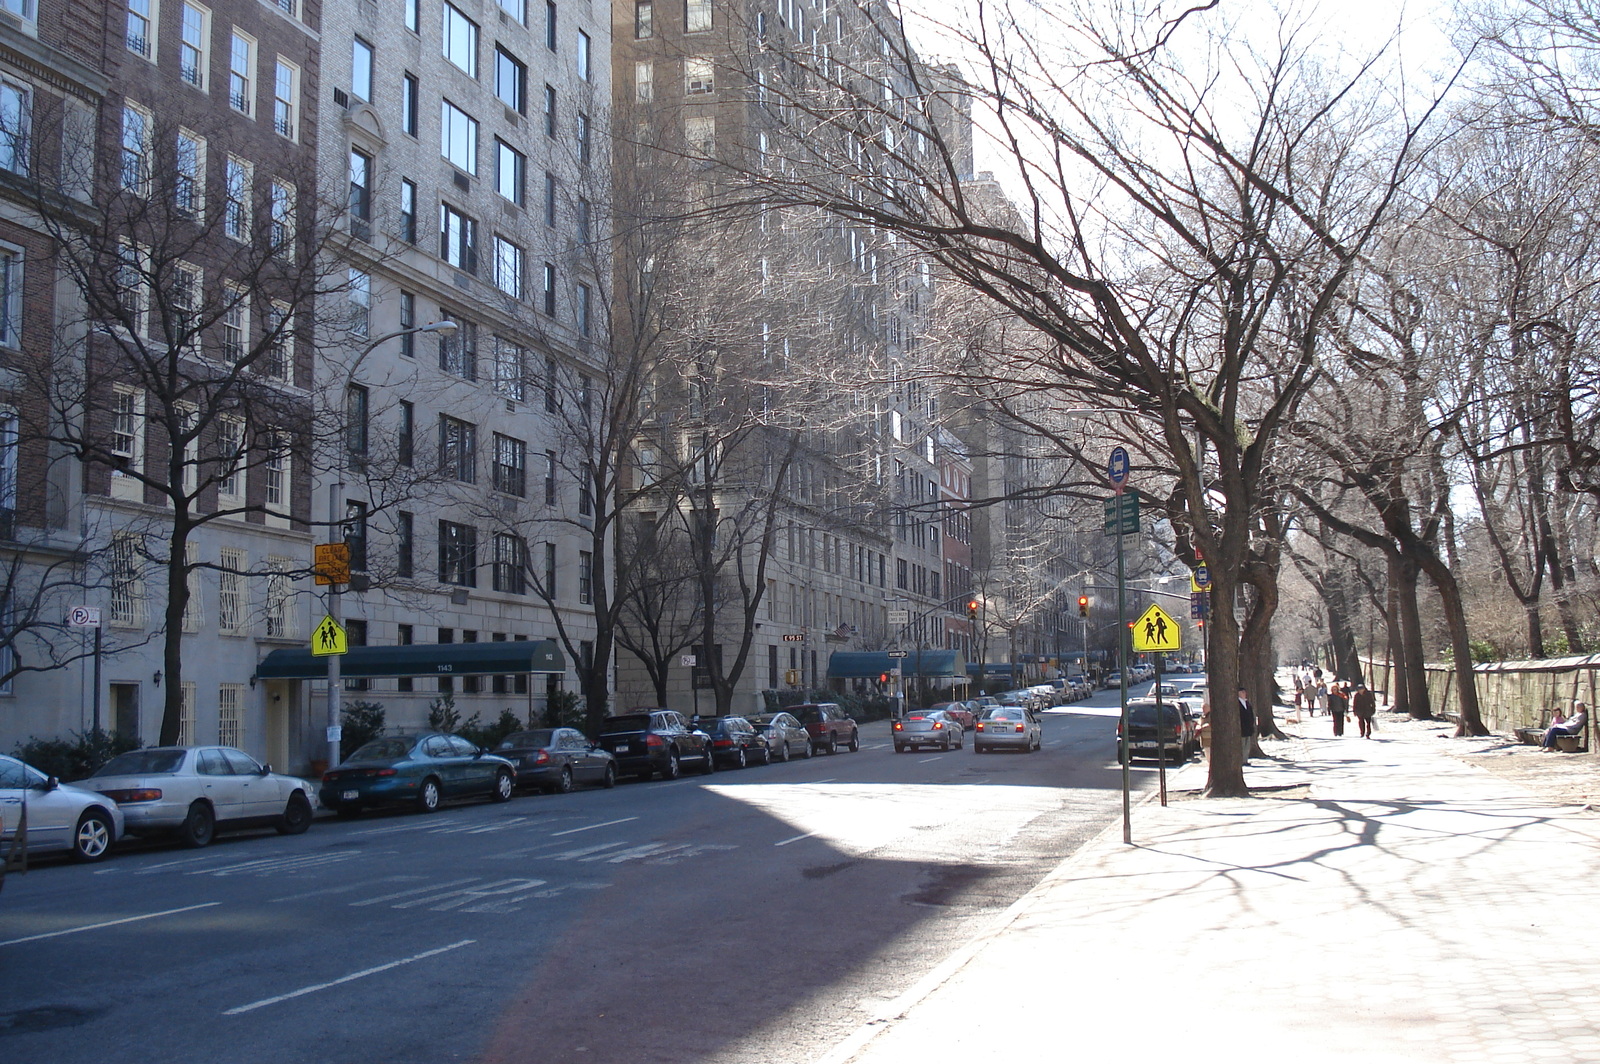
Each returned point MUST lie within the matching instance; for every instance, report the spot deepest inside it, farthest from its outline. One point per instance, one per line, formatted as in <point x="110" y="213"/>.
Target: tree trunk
<point x="1414" y="676"/>
<point x="1336" y="600"/>
<point x="1225" y="775"/>
<point x="172" y="637"/>
<point x="1460" y="642"/>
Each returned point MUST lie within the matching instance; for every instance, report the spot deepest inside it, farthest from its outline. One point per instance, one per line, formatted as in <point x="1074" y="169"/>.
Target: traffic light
<point x="972" y="610"/>
<point x="1083" y="605"/>
<point x="883" y="677"/>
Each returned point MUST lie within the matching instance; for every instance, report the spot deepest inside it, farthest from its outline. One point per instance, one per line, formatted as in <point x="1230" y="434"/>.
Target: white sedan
<point x="59" y="816"/>
<point x="194" y="791"/>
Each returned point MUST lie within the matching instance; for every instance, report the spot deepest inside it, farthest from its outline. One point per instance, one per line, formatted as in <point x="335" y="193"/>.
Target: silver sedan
<point x="927" y="728"/>
<point x="59" y="816"/>
<point x="1008" y="727"/>
<point x="195" y="790"/>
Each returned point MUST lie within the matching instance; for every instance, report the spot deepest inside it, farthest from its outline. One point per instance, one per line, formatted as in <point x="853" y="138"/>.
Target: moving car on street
<point x="556" y="760"/>
<point x="648" y="741"/>
<point x="1008" y="728"/>
<point x="422" y="770"/>
<point x="61" y="817"/>
<point x="961" y="712"/>
<point x="1177" y="739"/>
<point x="196" y="791"/>
<point x="930" y="727"/>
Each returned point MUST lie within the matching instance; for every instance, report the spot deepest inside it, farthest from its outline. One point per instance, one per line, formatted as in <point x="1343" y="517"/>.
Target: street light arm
<point x="444" y="327"/>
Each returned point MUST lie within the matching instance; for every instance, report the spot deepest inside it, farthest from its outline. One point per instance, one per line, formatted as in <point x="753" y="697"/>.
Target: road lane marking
<point x="797" y="838"/>
<point x="109" y="923"/>
<point x="454" y="899"/>
<point x="830" y="779"/>
<point x="585" y="851"/>
<point x="591" y="827"/>
<point x="380" y="899"/>
<point x="264" y="1002"/>
<point x="925" y="760"/>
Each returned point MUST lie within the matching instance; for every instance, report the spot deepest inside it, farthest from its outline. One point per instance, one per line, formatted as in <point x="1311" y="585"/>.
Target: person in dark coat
<point x="1247" y="723"/>
<point x="1338" y="703"/>
<point x="1364" y="707"/>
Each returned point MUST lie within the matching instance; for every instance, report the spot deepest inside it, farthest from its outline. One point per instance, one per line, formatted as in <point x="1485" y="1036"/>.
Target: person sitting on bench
<point x="1565" y="726"/>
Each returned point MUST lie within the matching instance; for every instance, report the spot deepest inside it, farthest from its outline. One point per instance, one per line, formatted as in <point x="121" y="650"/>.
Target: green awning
<point x="420" y="659"/>
<point x="870" y="664"/>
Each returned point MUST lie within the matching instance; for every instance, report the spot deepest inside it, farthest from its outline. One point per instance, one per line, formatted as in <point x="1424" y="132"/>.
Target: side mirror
<point x="266" y="770"/>
<point x="50" y="784"/>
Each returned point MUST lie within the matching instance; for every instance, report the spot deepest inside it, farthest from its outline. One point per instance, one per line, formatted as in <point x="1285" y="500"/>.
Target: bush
<point x="443" y="715"/>
<point x="564" y="709"/>
<point x="361" y="722"/>
<point x="75" y="758"/>
<point x="488" y="736"/>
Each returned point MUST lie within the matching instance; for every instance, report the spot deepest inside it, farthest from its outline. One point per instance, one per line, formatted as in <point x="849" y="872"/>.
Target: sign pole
<point x="1122" y="665"/>
<point x="97" y="679"/>
<point x="1161" y="752"/>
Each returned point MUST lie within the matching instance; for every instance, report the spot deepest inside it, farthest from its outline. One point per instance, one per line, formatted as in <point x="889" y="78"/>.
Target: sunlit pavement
<point x="1377" y="901"/>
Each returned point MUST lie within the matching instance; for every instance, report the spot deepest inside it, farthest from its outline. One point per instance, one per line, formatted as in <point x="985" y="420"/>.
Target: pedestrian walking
<point x="1364" y="706"/>
<point x="1247" y="722"/>
<point x="1205" y="728"/>
<point x="1321" y="694"/>
<point x="1338" y="703"/>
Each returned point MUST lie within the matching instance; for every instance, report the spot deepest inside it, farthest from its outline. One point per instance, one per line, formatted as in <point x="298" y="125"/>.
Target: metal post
<point x="1161" y="753"/>
<point x="335" y="607"/>
<point x="97" y="678"/>
<point x="1122" y="665"/>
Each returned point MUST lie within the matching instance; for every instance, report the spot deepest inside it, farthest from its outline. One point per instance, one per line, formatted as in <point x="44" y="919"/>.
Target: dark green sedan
<point x="420" y="770"/>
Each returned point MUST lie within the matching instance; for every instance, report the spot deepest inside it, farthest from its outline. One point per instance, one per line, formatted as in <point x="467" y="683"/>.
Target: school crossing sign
<point x="329" y="638"/>
<point x="1156" y="631"/>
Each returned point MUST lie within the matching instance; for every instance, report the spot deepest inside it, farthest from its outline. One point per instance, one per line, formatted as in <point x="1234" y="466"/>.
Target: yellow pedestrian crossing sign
<point x="329" y="638"/>
<point x="1155" y="630"/>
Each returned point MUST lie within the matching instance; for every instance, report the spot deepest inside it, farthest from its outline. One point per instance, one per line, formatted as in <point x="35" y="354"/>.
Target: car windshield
<point x="142" y="763"/>
<point x="627" y="723"/>
<point x="382" y="750"/>
<point x="1147" y="714"/>
<point x="526" y="738"/>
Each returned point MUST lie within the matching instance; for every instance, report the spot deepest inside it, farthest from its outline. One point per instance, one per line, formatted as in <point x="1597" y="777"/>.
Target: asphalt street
<point x="755" y="915"/>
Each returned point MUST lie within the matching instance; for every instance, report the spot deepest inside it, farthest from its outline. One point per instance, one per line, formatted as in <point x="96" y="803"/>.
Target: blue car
<point x="420" y="770"/>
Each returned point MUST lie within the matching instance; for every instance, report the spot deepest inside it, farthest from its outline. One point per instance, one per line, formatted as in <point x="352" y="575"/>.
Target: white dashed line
<point x="591" y="827"/>
<point x="797" y="838"/>
<point x="109" y="923"/>
<point x="264" y="1002"/>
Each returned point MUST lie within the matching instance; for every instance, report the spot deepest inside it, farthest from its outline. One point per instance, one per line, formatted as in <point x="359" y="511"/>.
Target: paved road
<point x="754" y="915"/>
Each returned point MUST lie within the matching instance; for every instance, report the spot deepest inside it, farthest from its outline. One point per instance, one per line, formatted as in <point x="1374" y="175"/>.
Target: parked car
<point x="830" y="726"/>
<point x="735" y="741"/>
<point x="556" y="760"/>
<point x="1048" y="694"/>
<point x="1113" y="679"/>
<point x="61" y="817"/>
<point x="961" y="712"/>
<point x="196" y="791"/>
<point x="785" y="736"/>
<point x="927" y="727"/>
<point x="1176" y="740"/>
<point x="421" y="769"/>
<point x="1008" y="728"/>
<point x="648" y="741"/>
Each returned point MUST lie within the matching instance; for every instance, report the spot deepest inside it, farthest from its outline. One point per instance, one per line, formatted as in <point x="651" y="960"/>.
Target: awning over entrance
<point x="870" y="664"/>
<point x="421" y="659"/>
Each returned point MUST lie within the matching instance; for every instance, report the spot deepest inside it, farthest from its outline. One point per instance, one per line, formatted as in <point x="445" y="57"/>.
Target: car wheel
<point x="833" y="745"/>
<point x="783" y="751"/>
<point x="811" y="748"/>
<point x="92" y="840"/>
<point x="899" y="749"/>
<point x="961" y="741"/>
<point x="296" y="815"/>
<point x="977" y="747"/>
<point x="741" y="761"/>
<point x="946" y="746"/>
<point x="428" y="797"/>
<point x="766" y="754"/>
<point x="709" y="766"/>
<point x="564" y="783"/>
<point x="672" y="770"/>
<point x="855" y="741"/>
<point x="609" y="780"/>
<point x="199" y="827"/>
<point x="505" y="786"/>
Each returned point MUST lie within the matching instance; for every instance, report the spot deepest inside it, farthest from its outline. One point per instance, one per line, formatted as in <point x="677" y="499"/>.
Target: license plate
<point x="1146" y="746"/>
<point x="624" y="748"/>
<point x="350" y="796"/>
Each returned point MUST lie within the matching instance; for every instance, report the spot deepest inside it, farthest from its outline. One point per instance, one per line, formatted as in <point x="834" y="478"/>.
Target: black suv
<point x="830" y="726"/>
<point x="735" y="741"/>
<point x="647" y="741"/>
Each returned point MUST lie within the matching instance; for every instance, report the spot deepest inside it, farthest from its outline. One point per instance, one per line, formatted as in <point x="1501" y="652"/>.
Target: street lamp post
<point x="336" y="519"/>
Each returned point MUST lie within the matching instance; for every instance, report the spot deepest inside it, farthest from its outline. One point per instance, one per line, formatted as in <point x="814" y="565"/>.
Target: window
<point x="194" y="44"/>
<point x="15" y="118"/>
<point x="237" y="181"/>
<point x="461" y="40"/>
<point x="458" y="449"/>
<point x="408" y="321"/>
<point x="510" y="80"/>
<point x="230" y="722"/>
<point x="517" y="9"/>
<point x="583" y="220"/>
<point x="405" y="544"/>
<point x="234" y="323"/>
<point x="508" y="169"/>
<point x="583" y="55"/>
<point x="550" y="24"/>
<point x="696" y="16"/>
<point x="241" y="73"/>
<point x="413" y="15"/>
<point x="141" y="36"/>
<point x="551" y="379"/>
<point x="405" y="445"/>
<point x="644" y="81"/>
<point x="360" y="303"/>
<point x="900" y="572"/>
<point x="549" y="478"/>
<point x="699" y="135"/>
<point x="360" y="201"/>
<point x="549" y="289"/>
<point x="408" y="223"/>
<point x="189" y="176"/>
<point x="583" y="138"/>
<point x="280" y="217"/>
<point x="510" y="466"/>
<point x="127" y="434"/>
<point x="585" y="318"/>
<point x="127" y="582"/>
<point x="550" y="570"/>
<point x="282" y="620"/>
<point x="586" y="490"/>
<point x="509" y="371"/>
<point x="10" y="297"/>
<point x="458" y="554"/>
<point x="136" y="125"/>
<point x="230" y="463"/>
<point x="286" y="98"/>
<point x="360" y="69"/>
<point x="507" y="267"/>
<point x="699" y="77"/>
<point x="549" y="111"/>
<point x="458" y="137"/>
<point x="510" y="564"/>
<point x="288" y="7"/>
<point x="277" y="356"/>
<point x="458" y="239"/>
<point x="278" y="474"/>
<point x="585" y="577"/>
<point x="133" y="288"/>
<point x="549" y="199"/>
<point x="231" y="603"/>
<point x="644" y="20"/>
<point x="357" y="408"/>
<point x="458" y="354"/>
<point x="355" y="533"/>
<point x="409" y="90"/>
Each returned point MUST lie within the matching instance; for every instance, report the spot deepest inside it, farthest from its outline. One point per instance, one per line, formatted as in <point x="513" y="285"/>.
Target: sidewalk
<point x="1381" y="902"/>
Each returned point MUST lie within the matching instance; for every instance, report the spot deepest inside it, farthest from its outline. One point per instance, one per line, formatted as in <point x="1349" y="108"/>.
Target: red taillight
<point x="329" y="777"/>
<point x="898" y="726"/>
<point x="543" y="758"/>
<point x="938" y="724"/>
<point x="384" y="772"/>
<point x="722" y="742"/>
<point x="654" y="740"/>
<point x="1021" y="728"/>
<point x="143" y="794"/>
